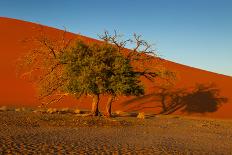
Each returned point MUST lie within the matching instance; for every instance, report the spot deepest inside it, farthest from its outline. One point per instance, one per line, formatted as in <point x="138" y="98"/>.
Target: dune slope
<point x="197" y="92"/>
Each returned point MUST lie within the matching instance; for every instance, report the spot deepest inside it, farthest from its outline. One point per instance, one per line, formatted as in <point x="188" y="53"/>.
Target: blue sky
<point x="197" y="33"/>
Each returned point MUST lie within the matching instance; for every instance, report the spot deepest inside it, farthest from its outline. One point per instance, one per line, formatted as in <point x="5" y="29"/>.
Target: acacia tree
<point x="144" y="60"/>
<point x="109" y="68"/>
<point x="124" y="82"/>
<point x="94" y="69"/>
<point x="41" y="64"/>
<point x="60" y="67"/>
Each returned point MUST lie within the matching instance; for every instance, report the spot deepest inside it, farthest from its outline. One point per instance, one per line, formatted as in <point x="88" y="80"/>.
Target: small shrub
<point x="141" y="115"/>
<point x="51" y="110"/>
<point x="122" y="113"/>
<point x="17" y="110"/>
<point x="64" y="110"/>
<point x="39" y="111"/>
<point x="77" y="111"/>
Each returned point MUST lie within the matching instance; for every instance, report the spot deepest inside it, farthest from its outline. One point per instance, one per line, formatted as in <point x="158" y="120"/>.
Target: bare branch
<point x="42" y="65"/>
<point x="140" y="56"/>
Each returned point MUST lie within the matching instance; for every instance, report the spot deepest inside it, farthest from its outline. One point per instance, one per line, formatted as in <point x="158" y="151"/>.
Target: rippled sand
<point x="35" y="133"/>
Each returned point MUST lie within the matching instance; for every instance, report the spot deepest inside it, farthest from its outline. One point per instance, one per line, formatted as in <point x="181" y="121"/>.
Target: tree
<point x="41" y="64"/>
<point x="124" y="82"/>
<point x="99" y="69"/>
<point x="108" y="68"/>
<point x="140" y="56"/>
<point x="61" y="67"/>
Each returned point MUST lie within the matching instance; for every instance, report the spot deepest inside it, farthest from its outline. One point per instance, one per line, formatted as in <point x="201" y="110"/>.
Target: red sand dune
<point x="213" y="101"/>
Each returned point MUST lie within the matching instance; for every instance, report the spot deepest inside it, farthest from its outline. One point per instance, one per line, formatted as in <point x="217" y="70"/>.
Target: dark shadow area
<point x="199" y="99"/>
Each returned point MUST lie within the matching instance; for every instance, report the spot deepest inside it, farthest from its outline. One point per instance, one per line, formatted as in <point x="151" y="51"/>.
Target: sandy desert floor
<point x="36" y="133"/>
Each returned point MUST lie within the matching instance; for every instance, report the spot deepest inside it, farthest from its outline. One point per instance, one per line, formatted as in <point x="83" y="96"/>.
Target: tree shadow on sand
<point x="199" y="99"/>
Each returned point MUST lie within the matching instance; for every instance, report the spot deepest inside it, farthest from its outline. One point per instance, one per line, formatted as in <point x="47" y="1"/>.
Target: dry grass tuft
<point x="65" y="111"/>
<point x="20" y="109"/>
<point x="77" y="111"/>
<point x="39" y="111"/>
<point x="125" y="114"/>
<point x="141" y="115"/>
<point x="52" y="110"/>
<point x="121" y="113"/>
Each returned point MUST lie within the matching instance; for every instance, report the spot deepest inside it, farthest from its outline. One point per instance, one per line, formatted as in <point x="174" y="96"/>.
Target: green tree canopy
<point x="94" y="69"/>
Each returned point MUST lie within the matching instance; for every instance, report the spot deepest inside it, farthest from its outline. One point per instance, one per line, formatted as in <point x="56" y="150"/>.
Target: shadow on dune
<point x="199" y="99"/>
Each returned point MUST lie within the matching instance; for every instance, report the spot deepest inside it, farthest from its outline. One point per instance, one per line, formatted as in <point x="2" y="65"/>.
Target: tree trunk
<point x="95" y="109"/>
<point x="109" y="105"/>
<point x="163" y="98"/>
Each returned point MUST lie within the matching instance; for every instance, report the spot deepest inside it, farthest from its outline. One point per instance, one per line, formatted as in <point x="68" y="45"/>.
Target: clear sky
<point x="197" y="33"/>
